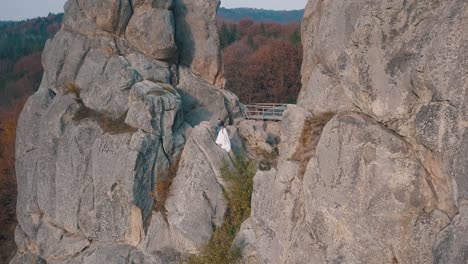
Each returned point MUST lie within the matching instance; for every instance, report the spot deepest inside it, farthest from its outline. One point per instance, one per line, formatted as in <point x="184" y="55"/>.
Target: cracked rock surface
<point x="116" y="160"/>
<point x="385" y="179"/>
<point x="109" y="123"/>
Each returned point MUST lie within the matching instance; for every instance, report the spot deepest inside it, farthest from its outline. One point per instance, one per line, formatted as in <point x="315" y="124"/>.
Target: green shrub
<point x="218" y="250"/>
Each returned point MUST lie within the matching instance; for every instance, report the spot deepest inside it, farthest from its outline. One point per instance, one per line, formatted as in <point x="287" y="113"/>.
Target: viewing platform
<point x="265" y="111"/>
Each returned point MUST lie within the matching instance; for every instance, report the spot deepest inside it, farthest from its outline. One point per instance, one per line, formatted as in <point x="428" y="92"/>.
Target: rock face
<point x="117" y="162"/>
<point x="197" y="38"/>
<point x="372" y="165"/>
<point x="109" y="123"/>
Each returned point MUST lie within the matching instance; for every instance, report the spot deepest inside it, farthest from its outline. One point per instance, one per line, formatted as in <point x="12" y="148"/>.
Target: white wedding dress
<point x="223" y="140"/>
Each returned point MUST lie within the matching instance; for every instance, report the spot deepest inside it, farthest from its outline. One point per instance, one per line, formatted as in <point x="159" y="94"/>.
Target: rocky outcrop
<point x="158" y="42"/>
<point x="198" y="40"/>
<point x="121" y="102"/>
<point x="260" y="140"/>
<point x="372" y="165"/>
<point x="117" y="161"/>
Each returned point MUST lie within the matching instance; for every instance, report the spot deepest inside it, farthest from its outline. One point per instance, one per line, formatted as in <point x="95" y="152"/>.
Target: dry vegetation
<point x="8" y="121"/>
<point x="218" y="250"/>
<point x="106" y="123"/>
<point x="310" y="137"/>
<point x="163" y="187"/>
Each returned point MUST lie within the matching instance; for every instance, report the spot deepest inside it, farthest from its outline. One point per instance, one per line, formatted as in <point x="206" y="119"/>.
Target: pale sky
<point x="22" y="9"/>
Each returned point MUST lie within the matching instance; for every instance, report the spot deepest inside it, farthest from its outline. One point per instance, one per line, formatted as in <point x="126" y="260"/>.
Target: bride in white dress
<point x="223" y="138"/>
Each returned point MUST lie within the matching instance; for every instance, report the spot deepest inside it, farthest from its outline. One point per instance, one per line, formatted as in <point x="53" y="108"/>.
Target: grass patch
<point x="218" y="250"/>
<point x="106" y="123"/>
<point x="72" y="88"/>
<point x="310" y="137"/>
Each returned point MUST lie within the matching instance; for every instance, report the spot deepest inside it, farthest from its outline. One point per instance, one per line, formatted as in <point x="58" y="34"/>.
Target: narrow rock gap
<point x="80" y="63"/>
<point x="163" y="187"/>
<point x="313" y="127"/>
<point x="119" y="16"/>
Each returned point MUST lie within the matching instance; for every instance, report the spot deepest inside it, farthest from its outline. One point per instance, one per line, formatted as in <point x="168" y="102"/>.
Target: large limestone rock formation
<point x="197" y="38"/>
<point x="120" y="104"/>
<point x="373" y="160"/>
<point x="116" y="160"/>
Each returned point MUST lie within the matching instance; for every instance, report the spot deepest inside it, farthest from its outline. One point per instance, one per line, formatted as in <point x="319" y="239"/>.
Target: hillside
<point x="6" y="23"/>
<point x="254" y="68"/>
<point x="21" y="45"/>
<point x="261" y="15"/>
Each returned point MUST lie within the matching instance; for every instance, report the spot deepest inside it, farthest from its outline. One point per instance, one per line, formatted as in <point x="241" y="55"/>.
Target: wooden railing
<point x="272" y="112"/>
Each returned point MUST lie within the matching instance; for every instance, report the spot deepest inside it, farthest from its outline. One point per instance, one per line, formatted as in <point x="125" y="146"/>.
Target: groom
<point x="218" y="126"/>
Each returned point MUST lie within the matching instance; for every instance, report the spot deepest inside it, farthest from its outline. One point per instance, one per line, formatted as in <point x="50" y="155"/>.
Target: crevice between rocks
<point x="163" y="187"/>
<point x="311" y="133"/>
<point x="80" y="63"/>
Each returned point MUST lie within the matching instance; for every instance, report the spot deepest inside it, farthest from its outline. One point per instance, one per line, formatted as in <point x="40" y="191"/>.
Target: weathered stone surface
<point x="110" y="253"/>
<point x="27" y="258"/>
<point x="383" y="63"/>
<point x="150" y="69"/>
<point x="452" y="243"/>
<point x="21" y="240"/>
<point x="58" y="244"/>
<point x="110" y="16"/>
<point x="197" y="39"/>
<point x="152" y="31"/>
<point x="273" y="130"/>
<point x="364" y="191"/>
<point x="160" y="238"/>
<point x="160" y="4"/>
<point x="27" y="150"/>
<point x="277" y="202"/>
<point x="201" y="101"/>
<point x="436" y="126"/>
<point x="257" y="239"/>
<point x="106" y="126"/>
<point x="105" y="83"/>
<point x="196" y="203"/>
<point x="75" y="20"/>
<point x="461" y="167"/>
<point x="153" y="108"/>
<point x="364" y="175"/>
<point x="233" y="106"/>
<point x="388" y="172"/>
<point x="237" y="143"/>
<point x="384" y="181"/>
<point x="62" y="58"/>
<point x="113" y="174"/>
<point x="256" y="138"/>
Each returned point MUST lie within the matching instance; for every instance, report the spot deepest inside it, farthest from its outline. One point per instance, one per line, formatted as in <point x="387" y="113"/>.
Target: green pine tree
<point x="295" y="38"/>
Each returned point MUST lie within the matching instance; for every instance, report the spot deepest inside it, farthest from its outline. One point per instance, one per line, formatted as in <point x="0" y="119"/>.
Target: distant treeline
<point x="261" y="15"/>
<point x="262" y="61"/>
<point x="18" y="39"/>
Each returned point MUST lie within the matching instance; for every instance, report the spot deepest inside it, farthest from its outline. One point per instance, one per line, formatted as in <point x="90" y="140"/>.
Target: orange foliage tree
<point x="264" y="64"/>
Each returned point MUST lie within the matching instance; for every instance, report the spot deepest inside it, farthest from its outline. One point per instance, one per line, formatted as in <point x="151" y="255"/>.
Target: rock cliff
<point x="118" y="117"/>
<point x="373" y="160"/>
<point x="116" y="161"/>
